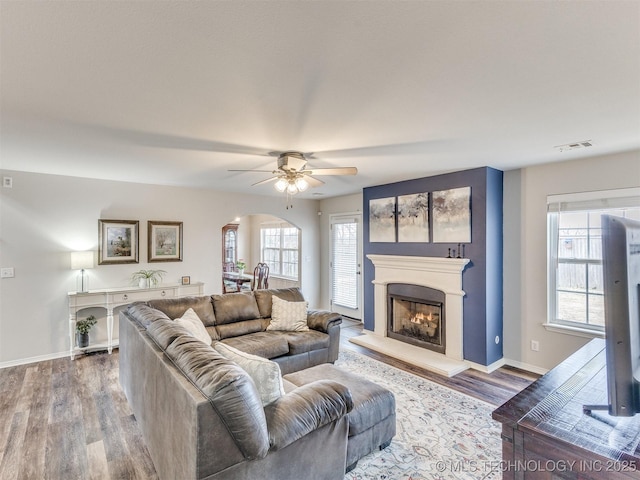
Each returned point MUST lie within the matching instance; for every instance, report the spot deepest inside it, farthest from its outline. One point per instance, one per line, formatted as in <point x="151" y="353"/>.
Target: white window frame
<point x="587" y="202"/>
<point x="281" y="226"/>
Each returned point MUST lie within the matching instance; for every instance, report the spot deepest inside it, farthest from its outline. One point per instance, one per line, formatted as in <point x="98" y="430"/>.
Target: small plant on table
<point x="82" y="330"/>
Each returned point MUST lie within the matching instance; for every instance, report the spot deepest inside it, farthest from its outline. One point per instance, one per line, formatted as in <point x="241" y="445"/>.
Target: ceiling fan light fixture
<point x="281" y="184"/>
<point x="292" y="175"/>
<point x="291" y="188"/>
<point x="302" y="184"/>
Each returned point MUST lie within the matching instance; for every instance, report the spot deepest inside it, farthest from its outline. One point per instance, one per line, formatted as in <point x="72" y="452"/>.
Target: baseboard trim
<point x="486" y="368"/>
<point x="525" y="366"/>
<point x="39" y="358"/>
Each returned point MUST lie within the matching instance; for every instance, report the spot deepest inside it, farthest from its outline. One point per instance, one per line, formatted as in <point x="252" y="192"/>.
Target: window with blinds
<point x="280" y="248"/>
<point x="345" y="264"/>
<point x="574" y="237"/>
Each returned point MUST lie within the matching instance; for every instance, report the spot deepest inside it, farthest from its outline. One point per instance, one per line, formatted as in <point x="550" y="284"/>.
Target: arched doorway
<point x="261" y="238"/>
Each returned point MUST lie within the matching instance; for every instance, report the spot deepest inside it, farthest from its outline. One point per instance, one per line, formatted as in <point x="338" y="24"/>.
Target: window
<point x="575" y="254"/>
<point x="280" y="246"/>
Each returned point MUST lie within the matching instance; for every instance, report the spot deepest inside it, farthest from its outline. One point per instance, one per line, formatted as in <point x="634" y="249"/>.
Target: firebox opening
<point x="416" y="316"/>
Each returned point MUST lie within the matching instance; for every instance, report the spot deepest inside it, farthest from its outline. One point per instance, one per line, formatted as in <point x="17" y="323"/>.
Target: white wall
<point x="45" y="217"/>
<point x="525" y="280"/>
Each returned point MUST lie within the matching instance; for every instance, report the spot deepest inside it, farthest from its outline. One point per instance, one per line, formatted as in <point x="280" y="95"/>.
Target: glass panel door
<point x="346" y="265"/>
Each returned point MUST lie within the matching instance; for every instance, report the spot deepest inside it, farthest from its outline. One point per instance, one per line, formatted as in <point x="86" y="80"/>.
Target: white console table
<point x="110" y="298"/>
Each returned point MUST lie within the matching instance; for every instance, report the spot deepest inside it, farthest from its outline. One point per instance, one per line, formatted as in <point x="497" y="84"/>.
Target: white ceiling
<point x="179" y="92"/>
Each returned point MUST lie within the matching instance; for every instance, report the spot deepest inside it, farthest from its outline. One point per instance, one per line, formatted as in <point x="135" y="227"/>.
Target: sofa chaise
<point x="203" y="415"/>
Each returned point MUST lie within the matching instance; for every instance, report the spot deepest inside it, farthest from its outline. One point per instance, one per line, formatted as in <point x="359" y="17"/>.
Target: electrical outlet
<point x="6" y="272"/>
<point x="7" y="182"/>
<point x="535" y="346"/>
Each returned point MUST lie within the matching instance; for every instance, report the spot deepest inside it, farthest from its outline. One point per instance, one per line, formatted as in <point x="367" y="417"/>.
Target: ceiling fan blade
<point x="333" y="171"/>
<point x="263" y="171"/>
<point x="178" y="142"/>
<point x="262" y="182"/>
<point x="408" y="148"/>
<point x="313" y="182"/>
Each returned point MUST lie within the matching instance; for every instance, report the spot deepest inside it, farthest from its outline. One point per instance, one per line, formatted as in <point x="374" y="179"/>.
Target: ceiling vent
<point x="574" y="146"/>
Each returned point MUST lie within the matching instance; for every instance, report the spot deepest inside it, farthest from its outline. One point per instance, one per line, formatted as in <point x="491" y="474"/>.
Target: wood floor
<point x="64" y="420"/>
<point x="494" y="388"/>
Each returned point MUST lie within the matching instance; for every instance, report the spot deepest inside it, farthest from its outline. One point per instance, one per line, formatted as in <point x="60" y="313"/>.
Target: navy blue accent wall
<point x="493" y="254"/>
<point x="481" y="279"/>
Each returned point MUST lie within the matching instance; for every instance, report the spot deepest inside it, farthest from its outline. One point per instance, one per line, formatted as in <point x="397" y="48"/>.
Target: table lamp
<point x="82" y="261"/>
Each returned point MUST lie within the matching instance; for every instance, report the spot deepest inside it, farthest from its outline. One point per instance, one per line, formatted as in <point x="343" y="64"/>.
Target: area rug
<point x="441" y="433"/>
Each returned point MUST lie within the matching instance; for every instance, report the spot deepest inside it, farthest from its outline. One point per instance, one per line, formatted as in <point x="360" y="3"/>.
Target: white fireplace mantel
<point x="443" y="274"/>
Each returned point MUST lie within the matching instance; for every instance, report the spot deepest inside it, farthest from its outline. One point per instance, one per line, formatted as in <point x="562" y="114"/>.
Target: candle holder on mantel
<point x="460" y="251"/>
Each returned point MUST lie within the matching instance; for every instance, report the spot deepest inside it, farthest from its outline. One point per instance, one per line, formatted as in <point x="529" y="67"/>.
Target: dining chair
<point x="260" y="277"/>
<point x="228" y="285"/>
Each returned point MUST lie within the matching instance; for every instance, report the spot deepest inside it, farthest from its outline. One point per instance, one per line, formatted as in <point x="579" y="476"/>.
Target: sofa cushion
<point x="237" y="329"/>
<point x="288" y="316"/>
<point x="192" y="322"/>
<point x="265" y="373"/>
<point x="263" y="344"/>
<point x="230" y="390"/>
<point x="142" y="313"/>
<point x="263" y="298"/>
<point x="303" y="342"/>
<point x="234" y="307"/>
<point x="372" y="402"/>
<point x="175" y="307"/>
<point x="164" y="331"/>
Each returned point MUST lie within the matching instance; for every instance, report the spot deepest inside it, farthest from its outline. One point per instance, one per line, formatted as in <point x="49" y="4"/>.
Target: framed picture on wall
<point x="452" y="215"/>
<point x="382" y="219"/>
<point x="117" y="241"/>
<point x="164" y="241"/>
<point x="413" y="217"/>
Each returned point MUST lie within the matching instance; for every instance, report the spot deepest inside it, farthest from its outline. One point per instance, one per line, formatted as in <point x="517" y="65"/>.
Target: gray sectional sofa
<point x="241" y="319"/>
<point x="201" y="414"/>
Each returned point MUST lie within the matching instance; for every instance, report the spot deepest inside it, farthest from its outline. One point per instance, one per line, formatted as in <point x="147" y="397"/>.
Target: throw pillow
<point x="194" y="325"/>
<point x="264" y="373"/>
<point x="288" y="316"/>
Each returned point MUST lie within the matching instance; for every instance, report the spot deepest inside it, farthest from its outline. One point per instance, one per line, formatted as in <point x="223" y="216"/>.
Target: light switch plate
<point x="6" y="272"/>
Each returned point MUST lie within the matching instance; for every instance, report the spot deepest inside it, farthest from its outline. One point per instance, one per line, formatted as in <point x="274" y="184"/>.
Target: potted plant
<point x="147" y="278"/>
<point x="240" y="265"/>
<point x="82" y="330"/>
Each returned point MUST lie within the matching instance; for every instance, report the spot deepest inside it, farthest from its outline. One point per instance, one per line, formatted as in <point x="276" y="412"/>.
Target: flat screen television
<point x="621" y="282"/>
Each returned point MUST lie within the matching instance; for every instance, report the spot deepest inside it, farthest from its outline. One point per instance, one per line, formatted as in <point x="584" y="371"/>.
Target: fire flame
<point x="421" y="318"/>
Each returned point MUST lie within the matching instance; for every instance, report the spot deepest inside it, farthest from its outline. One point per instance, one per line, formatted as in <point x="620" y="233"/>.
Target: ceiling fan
<point x="292" y="176"/>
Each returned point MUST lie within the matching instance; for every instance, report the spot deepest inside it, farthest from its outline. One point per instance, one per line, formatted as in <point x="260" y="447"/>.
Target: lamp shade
<point x="81" y="260"/>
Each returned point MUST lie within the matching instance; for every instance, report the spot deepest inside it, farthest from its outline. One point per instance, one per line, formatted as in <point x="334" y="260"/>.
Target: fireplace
<point x="416" y="315"/>
<point x="442" y="275"/>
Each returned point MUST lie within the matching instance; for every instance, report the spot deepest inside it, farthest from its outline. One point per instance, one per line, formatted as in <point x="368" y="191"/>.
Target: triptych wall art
<point x="406" y="218"/>
<point x="118" y="241"/>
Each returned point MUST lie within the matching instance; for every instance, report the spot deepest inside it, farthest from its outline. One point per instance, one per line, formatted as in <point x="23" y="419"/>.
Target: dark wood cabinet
<point x="546" y="435"/>
<point x="230" y="243"/>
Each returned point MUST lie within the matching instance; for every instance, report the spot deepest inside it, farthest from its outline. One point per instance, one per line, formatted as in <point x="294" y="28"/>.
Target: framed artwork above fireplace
<point x="452" y="215"/>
